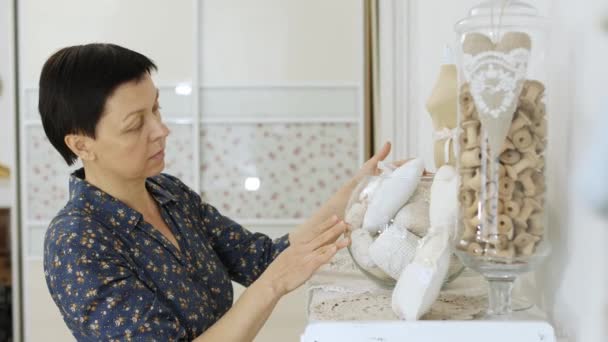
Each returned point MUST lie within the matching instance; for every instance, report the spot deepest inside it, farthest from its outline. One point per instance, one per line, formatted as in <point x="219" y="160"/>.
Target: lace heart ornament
<point x="496" y="75"/>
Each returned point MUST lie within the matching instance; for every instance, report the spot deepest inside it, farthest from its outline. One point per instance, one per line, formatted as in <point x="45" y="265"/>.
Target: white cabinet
<point x="7" y="147"/>
<point x="6" y="193"/>
<point x="7" y="101"/>
<point x="394" y="331"/>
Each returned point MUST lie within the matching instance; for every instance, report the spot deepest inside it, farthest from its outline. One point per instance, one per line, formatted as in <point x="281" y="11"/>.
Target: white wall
<point x="431" y="30"/>
<point x="160" y="29"/>
<point x="280" y="41"/>
<point x="575" y="280"/>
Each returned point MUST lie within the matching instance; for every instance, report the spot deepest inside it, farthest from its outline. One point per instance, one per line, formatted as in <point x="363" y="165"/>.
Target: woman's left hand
<point x="370" y="167"/>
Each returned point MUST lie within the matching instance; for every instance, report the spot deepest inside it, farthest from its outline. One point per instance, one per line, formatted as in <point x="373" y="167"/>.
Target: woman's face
<point x="130" y="136"/>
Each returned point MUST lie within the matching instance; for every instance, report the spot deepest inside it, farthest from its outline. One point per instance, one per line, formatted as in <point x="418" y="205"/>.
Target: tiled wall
<point x="298" y="166"/>
<point x="179" y="152"/>
<point x="46" y="175"/>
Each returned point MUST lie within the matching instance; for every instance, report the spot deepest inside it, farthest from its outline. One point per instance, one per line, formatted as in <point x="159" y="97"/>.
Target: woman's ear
<point x="80" y="145"/>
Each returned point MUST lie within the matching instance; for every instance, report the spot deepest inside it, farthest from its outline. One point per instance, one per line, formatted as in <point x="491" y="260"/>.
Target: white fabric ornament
<point x="414" y="217"/>
<point x="360" y="242"/>
<point x="392" y="193"/>
<point x="420" y="282"/>
<point x="443" y="208"/>
<point x="393" y="250"/>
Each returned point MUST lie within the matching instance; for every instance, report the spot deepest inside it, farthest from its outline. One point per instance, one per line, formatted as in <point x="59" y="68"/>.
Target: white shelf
<point x="6" y="196"/>
<point x="389" y="331"/>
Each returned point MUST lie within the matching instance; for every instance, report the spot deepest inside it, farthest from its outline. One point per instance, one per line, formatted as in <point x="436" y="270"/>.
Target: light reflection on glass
<point x="252" y="184"/>
<point x="183" y="89"/>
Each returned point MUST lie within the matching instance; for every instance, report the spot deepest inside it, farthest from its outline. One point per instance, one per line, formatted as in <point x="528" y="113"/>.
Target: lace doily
<point x="339" y="292"/>
<point x="375" y="306"/>
<point x="350" y="298"/>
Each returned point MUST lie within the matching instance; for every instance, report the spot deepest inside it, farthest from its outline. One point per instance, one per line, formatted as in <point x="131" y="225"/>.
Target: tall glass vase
<point x="502" y="120"/>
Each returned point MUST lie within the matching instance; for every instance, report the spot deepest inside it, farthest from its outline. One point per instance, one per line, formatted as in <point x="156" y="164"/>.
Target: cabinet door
<point x="281" y="116"/>
<point x="281" y="119"/>
<point x="7" y="151"/>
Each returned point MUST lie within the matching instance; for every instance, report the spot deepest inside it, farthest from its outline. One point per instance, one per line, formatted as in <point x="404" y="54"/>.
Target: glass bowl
<point x="374" y="244"/>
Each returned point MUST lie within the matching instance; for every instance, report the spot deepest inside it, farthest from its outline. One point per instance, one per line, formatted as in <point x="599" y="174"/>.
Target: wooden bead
<point x="471" y="134"/>
<point x="505" y="226"/>
<point x="520" y="121"/>
<point x="536" y="225"/>
<point x="510" y="157"/>
<point x="540" y="128"/>
<point x="471" y="158"/>
<point x="522" y="139"/>
<point x="523" y="239"/>
<point x="475" y="249"/>
<point x="506" y="187"/>
<point x="525" y="178"/>
<point x="512" y="209"/>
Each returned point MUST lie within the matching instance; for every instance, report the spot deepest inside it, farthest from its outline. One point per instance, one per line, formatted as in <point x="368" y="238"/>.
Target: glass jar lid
<point x="493" y="14"/>
<point x="508" y="8"/>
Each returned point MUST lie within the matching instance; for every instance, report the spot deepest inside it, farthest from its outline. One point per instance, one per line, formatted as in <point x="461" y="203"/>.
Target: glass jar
<point x="392" y="243"/>
<point x="502" y="120"/>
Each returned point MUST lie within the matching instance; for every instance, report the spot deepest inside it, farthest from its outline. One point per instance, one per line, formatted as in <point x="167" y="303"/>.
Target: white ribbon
<point x="449" y="135"/>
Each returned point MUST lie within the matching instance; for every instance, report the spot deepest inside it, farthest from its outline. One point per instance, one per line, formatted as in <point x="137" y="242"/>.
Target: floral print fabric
<point x="115" y="277"/>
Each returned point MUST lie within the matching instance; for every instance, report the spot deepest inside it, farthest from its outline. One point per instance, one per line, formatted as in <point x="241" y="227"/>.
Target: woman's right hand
<point x="290" y="269"/>
<point x="296" y="264"/>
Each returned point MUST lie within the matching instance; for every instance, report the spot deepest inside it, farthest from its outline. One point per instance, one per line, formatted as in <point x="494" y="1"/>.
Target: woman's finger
<point x="369" y="167"/>
<point x="329" y="236"/>
<point x="382" y="153"/>
<point x="379" y="156"/>
<point x="310" y="255"/>
<point x="324" y="256"/>
<point x="344" y="242"/>
<point x="325" y="225"/>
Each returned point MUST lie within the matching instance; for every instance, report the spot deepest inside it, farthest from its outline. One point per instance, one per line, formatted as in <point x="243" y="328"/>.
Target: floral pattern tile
<point x="46" y="176"/>
<point x="298" y="167"/>
<point x="179" y="153"/>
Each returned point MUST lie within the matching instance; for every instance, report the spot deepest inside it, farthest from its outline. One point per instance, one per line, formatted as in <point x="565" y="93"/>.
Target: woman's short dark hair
<point x="75" y="83"/>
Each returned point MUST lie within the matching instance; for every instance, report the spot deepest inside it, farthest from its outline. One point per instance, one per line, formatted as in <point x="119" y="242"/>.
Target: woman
<point x="135" y="254"/>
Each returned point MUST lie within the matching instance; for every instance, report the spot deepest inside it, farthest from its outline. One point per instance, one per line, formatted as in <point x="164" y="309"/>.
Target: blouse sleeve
<point x="244" y="253"/>
<point x="98" y="295"/>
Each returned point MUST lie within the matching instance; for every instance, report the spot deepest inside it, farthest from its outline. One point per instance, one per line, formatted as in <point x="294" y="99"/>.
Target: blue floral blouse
<point x="115" y="277"/>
